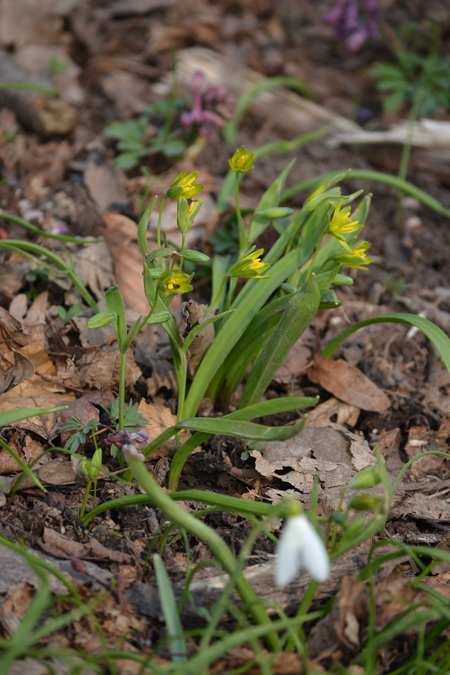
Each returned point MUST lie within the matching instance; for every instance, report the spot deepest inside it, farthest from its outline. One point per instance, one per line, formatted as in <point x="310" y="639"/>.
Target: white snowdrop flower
<point x="300" y="548"/>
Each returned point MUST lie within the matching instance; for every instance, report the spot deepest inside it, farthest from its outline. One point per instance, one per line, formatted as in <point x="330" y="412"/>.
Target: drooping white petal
<point x="300" y="547"/>
<point x="287" y="555"/>
<point x="313" y="555"/>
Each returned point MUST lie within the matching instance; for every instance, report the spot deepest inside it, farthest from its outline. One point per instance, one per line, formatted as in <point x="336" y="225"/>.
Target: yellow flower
<point x="357" y="258"/>
<point x="183" y="186"/>
<point x="187" y="209"/>
<point x="175" y="282"/>
<point x="242" y="161"/>
<point x="250" y="267"/>
<point x="341" y="224"/>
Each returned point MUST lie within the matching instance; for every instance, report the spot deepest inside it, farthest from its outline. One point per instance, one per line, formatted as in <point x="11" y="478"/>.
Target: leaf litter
<point x="396" y="397"/>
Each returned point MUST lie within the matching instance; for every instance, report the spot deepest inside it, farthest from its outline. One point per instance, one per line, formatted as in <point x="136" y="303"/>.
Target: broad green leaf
<point x="300" y="311"/>
<point x="433" y="333"/>
<point x="279" y="405"/>
<point x="258" y="432"/>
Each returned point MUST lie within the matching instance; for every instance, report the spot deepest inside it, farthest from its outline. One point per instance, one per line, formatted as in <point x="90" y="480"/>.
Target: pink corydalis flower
<point x="124" y="437"/>
<point x="354" y="21"/>
<point x="210" y="107"/>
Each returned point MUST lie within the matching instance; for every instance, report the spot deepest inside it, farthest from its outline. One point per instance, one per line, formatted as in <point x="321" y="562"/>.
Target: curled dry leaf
<point x="192" y="314"/>
<point x="348" y="383"/>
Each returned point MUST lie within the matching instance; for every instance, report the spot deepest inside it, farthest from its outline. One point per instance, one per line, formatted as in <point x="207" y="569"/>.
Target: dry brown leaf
<point x="15" y="606"/>
<point x="105" y="183"/>
<point x="348" y="384"/>
<point x="27" y="450"/>
<point x="99" y="368"/>
<point x="14" y="374"/>
<point x="321" y="415"/>
<point x="192" y="314"/>
<point x="389" y="444"/>
<point x="421" y="507"/>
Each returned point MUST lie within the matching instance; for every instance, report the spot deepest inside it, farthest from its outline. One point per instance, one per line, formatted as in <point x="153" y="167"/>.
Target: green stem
<point x="181" y="385"/>
<point x="86" y="495"/>
<point x="217" y="298"/>
<point x="123" y="368"/>
<point x="198" y="529"/>
<point x="158" y="235"/>
<point x="314" y="256"/>
<point x="183" y="236"/>
<point x="242" y="232"/>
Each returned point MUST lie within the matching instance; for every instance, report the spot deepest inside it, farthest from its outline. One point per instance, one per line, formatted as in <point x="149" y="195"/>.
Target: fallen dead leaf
<point x="15" y="606"/>
<point x="321" y="415"/>
<point x="348" y="384"/>
<point x="105" y="182"/>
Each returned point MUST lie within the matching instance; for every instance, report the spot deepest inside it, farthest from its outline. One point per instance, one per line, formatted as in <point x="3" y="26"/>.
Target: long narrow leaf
<point x="377" y="177"/>
<point x="259" y="291"/>
<point x="257" y="432"/>
<point x="270" y="198"/>
<point x="433" y="333"/>
<point x="279" y="405"/>
<point x="299" y="312"/>
<point x="170" y="611"/>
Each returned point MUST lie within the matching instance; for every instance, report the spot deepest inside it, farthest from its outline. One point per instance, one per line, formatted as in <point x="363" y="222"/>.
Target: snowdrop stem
<point x="303" y="609"/>
<point x="205" y="533"/>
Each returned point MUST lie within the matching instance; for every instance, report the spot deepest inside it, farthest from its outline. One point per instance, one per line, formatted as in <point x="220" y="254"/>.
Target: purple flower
<point x="131" y="450"/>
<point x="351" y="24"/>
<point x="124" y="437"/>
<point x="210" y="108"/>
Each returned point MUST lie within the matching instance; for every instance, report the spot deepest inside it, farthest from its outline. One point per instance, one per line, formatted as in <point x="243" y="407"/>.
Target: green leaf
<point x="279" y="405"/>
<point x="300" y="311"/>
<point x="270" y="198"/>
<point x="10" y="416"/>
<point x="170" y="611"/>
<point x="257" y="432"/>
<point x="128" y="160"/>
<point x="114" y="303"/>
<point x="142" y="229"/>
<point x="173" y="148"/>
<point x="433" y="333"/>
<point x="376" y="177"/>
<point x="255" y="293"/>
